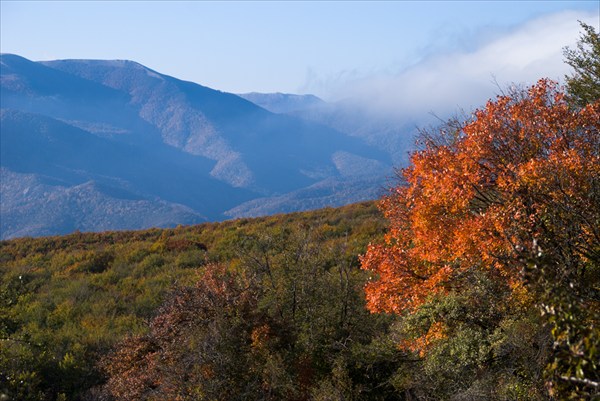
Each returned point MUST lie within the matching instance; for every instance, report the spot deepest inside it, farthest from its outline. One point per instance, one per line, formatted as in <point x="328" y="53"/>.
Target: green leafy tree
<point x="584" y="84"/>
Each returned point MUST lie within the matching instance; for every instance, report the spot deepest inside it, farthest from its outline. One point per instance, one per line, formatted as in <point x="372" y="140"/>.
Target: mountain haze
<point x="353" y="117"/>
<point x="283" y="102"/>
<point x="102" y="145"/>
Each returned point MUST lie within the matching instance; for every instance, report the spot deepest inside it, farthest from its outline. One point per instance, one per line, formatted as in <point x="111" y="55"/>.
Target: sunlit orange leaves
<point x="483" y="191"/>
<point x="422" y="344"/>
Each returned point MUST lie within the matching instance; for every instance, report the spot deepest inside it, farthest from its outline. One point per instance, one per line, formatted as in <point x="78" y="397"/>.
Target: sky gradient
<point x="332" y="49"/>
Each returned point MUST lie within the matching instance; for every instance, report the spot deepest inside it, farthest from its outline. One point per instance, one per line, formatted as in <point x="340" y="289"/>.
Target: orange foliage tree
<point x="514" y="191"/>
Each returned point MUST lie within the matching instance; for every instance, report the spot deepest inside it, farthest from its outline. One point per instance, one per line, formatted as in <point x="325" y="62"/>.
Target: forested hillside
<point x="67" y="301"/>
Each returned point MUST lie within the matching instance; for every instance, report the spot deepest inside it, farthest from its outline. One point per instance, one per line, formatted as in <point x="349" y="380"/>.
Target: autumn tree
<point x="198" y="347"/>
<point x="513" y="194"/>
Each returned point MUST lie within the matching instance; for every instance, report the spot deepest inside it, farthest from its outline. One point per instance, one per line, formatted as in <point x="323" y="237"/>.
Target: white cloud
<point x="445" y="83"/>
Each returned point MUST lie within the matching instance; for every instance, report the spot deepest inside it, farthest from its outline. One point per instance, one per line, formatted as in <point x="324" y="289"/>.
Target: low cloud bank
<point x="462" y="80"/>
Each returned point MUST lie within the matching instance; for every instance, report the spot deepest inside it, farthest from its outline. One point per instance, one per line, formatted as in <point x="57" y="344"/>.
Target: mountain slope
<point x="236" y="133"/>
<point x="56" y="157"/>
<point x="185" y="151"/>
<point x="34" y="205"/>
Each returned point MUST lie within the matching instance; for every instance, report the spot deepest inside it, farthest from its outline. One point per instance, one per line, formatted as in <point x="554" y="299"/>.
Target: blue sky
<point x="334" y="49"/>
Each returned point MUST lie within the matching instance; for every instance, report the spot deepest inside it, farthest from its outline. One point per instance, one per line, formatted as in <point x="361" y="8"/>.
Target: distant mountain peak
<point x="116" y="63"/>
<point x="283" y="102"/>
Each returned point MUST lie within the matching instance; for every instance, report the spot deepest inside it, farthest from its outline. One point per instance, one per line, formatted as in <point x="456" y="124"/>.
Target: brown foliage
<point x="184" y="346"/>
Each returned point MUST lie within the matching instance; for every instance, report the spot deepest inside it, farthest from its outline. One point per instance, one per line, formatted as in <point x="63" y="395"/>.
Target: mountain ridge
<point x="174" y="143"/>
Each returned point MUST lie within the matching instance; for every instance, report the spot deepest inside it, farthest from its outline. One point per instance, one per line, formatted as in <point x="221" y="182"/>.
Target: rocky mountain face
<point x="95" y="145"/>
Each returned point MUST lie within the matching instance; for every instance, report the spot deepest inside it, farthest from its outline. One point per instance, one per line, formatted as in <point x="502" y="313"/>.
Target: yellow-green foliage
<point x="65" y="301"/>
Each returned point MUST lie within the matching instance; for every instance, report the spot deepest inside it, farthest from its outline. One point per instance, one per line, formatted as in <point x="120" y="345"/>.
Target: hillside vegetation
<point x="67" y="301"/>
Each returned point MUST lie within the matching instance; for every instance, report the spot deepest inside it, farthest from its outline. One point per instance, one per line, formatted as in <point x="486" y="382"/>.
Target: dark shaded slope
<point x="35" y="144"/>
<point x="35" y="205"/>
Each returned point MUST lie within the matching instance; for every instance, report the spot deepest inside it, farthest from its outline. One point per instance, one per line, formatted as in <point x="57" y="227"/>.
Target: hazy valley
<point x="94" y="145"/>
